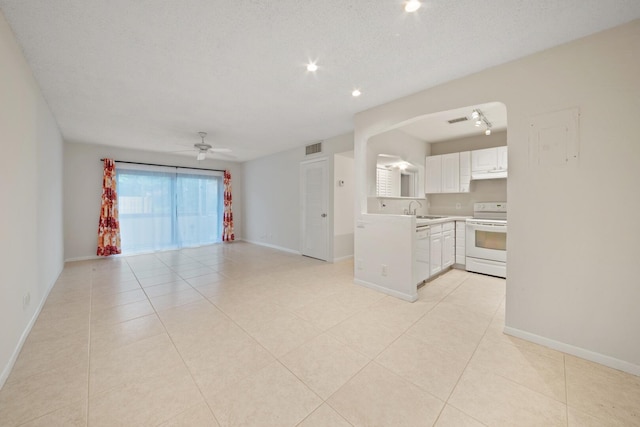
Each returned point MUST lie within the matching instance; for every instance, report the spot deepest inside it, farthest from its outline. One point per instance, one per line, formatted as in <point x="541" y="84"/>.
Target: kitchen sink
<point x="430" y="216"/>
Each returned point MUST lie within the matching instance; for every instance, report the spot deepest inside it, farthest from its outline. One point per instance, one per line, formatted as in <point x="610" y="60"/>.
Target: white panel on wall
<point x="554" y="138"/>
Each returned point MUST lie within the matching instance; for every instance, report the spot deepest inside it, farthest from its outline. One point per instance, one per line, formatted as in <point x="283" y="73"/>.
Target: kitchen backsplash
<point x="379" y="205"/>
<point x="489" y="190"/>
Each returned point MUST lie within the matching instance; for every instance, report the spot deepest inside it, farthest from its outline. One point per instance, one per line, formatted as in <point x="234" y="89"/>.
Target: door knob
<point x="324" y="215"/>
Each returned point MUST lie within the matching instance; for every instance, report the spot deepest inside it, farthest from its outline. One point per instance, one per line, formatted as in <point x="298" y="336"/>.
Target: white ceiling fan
<point x="204" y="148"/>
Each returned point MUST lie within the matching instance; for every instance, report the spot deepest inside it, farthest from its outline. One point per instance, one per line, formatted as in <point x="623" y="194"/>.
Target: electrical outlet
<point x="26" y="300"/>
<point x="383" y="270"/>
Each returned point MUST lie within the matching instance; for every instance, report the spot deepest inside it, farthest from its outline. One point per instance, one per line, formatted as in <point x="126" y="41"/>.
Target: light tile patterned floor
<point x="241" y="335"/>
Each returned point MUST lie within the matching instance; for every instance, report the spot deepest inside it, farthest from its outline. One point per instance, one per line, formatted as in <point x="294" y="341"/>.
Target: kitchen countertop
<point x="432" y="221"/>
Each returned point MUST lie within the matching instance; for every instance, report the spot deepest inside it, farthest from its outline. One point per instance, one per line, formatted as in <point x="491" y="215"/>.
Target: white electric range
<point x="486" y="239"/>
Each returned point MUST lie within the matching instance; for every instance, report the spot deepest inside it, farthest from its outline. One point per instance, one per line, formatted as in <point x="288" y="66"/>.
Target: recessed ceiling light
<point x="356" y="93"/>
<point x="412" y="6"/>
<point x="311" y="66"/>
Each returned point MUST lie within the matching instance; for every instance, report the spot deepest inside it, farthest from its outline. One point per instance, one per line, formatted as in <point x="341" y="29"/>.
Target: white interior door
<point x="315" y="209"/>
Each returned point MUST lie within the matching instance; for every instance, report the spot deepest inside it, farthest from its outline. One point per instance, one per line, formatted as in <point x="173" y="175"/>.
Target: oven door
<point x="487" y="240"/>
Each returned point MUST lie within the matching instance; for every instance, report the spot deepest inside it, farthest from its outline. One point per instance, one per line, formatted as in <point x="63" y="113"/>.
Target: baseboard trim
<point x="84" y="258"/>
<point x="402" y="296"/>
<point x="16" y="352"/>
<point x="268" y="245"/>
<point x="602" y="359"/>
<point x="343" y="258"/>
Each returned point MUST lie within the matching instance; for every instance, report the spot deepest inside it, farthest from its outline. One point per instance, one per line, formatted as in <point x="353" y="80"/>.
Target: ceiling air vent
<point x="313" y="148"/>
<point x="458" y="120"/>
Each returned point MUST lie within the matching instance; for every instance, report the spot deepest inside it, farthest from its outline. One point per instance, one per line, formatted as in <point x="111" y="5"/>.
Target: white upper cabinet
<point x="451" y="173"/>
<point x="433" y="175"/>
<point x="484" y="160"/>
<point x="502" y="158"/>
<point x="489" y="163"/>
<point x="465" y="171"/>
<point x="448" y="173"/>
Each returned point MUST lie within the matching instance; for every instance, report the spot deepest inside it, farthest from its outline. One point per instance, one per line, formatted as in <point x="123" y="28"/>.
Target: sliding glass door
<point x="167" y="208"/>
<point x="199" y="207"/>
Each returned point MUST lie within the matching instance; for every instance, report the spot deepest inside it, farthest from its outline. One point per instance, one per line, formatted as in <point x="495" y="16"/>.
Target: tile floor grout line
<point x="278" y="359"/>
<point x="414" y="322"/>
<point x="235" y="323"/>
<point x="446" y="402"/>
<point x="30" y="420"/>
<point x="313" y="412"/>
<point x="345" y="383"/>
<point x="566" y="386"/>
<point x="487" y="340"/>
<point x="89" y="347"/>
<point x="186" y="367"/>
<point x="467" y="366"/>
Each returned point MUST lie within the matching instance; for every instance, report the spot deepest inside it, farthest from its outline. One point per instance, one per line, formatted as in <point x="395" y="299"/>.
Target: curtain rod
<point x="166" y="166"/>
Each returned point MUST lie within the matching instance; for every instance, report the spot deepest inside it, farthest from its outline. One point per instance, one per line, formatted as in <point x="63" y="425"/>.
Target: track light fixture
<point x="478" y="116"/>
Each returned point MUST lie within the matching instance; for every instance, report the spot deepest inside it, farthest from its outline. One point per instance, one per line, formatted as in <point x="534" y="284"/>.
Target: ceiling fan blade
<point x="220" y="150"/>
<point x="181" y="151"/>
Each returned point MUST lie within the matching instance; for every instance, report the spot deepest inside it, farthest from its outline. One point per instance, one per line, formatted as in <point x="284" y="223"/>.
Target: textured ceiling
<point x="150" y="74"/>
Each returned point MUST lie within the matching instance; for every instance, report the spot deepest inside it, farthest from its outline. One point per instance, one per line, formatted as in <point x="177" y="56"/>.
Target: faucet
<point x="413" y="212"/>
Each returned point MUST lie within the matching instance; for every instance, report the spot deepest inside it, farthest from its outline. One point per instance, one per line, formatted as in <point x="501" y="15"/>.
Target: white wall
<point x="83" y="190"/>
<point x="31" y="193"/>
<point x="488" y="190"/>
<point x="572" y="236"/>
<point x="343" y="202"/>
<point x="271" y="195"/>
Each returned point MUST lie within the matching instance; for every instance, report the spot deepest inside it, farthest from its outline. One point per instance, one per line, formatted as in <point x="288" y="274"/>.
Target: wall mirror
<point x="396" y="177"/>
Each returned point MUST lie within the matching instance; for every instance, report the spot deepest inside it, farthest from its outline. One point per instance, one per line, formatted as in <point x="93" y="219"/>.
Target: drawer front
<point x="448" y="226"/>
<point x="437" y="228"/>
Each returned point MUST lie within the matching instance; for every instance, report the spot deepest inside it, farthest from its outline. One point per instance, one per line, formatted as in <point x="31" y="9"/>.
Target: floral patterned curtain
<point x="109" y="227"/>
<point x="227" y="232"/>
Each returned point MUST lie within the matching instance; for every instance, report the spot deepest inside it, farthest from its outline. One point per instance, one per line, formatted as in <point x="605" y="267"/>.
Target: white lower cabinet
<point x="435" y="250"/>
<point x="460" y="242"/>
<point x="421" y="266"/>
<point x="442" y="247"/>
<point x="448" y="246"/>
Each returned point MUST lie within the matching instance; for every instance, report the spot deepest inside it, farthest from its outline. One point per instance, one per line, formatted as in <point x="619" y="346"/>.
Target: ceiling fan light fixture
<point x="201" y="155"/>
